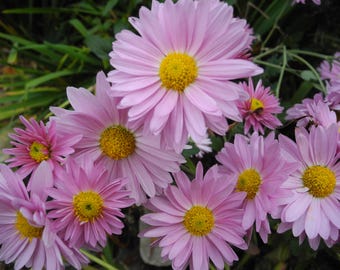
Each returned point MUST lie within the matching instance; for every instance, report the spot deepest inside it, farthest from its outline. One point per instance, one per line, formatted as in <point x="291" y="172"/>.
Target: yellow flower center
<point x="249" y="181"/>
<point x="199" y="220"/>
<point x="256" y="105"/>
<point x="319" y="180"/>
<point x="117" y="142"/>
<point x="25" y="229"/>
<point x="39" y="152"/>
<point x="177" y="71"/>
<point x="87" y="205"/>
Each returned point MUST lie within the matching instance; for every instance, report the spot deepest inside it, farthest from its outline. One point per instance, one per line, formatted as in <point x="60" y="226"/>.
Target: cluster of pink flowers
<point x="173" y="81"/>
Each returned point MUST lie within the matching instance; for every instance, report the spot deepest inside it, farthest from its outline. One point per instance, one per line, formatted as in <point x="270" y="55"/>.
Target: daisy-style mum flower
<point x="317" y="2"/>
<point x="86" y="204"/>
<point x="27" y="237"/>
<point x="175" y="76"/>
<point x="260" y="109"/>
<point x="108" y="139"/>
<point x="255" y="165"/>
<point x="197" y="220"/>
<point x="313" y="210"/>
<point x="310" y="112"/>
<point x="331" y="70"/>
<point x="36" y="143"/>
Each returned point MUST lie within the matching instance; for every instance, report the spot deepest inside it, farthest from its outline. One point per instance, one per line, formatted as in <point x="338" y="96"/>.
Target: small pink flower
<point x="37" y="143"/>
<point x="86" y="204"/>
<point x="175" y="76"/>
<point x="317" y="2"/>
<point x="27" y="236"/>
<point x="197" y="220"/>
<point x="312" y="210"/>
<point x="255" y="165"/>
<point x="331" y="70"/>
<point x="259" y="110"/>
<point x="109" y="140"/>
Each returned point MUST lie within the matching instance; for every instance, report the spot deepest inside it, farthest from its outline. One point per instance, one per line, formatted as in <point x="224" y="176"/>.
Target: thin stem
<point x="98" y="261"/>
<point x="318" y="55"/>
<point x="267" y="52"/>
<point x="284" y="64"/>
<point x="302" y="60"/>
<point x="260" y="62"/>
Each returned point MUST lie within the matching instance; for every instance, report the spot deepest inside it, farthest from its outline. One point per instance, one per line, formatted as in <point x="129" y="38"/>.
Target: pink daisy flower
<point x="258" y="111"/>
<point x="113" y="142"/>
<point x="86" y="204"/>
<point x="317" y="2"/>
<point x="255" y="165"/>
<point x="197" y="220"/>
<point x="314" y="111"/>
<point x="331" y="70"/>
<point x="37" y="143"/>
<point x="27" y="236"/>
<point x="175" y="76"/>
<point x="313" y="208"/>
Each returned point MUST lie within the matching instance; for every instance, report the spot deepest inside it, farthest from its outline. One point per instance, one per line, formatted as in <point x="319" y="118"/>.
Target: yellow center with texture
<point x="177" y="71"/>
<point x="319" y="180"/>
<point x="117" y="142"/>
<point x="87" y="205"/>
<point x="39" y="152"/>
<point x="25" y="229"/>
<point x="199" y="220"/>
<point x="249" y="181"/>
<point x="256" y="105"/>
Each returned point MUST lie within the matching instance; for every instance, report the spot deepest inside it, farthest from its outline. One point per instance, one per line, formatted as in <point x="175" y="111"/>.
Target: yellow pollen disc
<point x="39" y="152"/>
<point x="199" y="220"/>
<point x="249" y="181"/>
<point x="25" y="229"/>
<point x="117" y="142"/>
<point x="87" y="205"/>
<point x="319" y="180"/>
<point x="256" y="105"/>
<point x="177" y="71"/>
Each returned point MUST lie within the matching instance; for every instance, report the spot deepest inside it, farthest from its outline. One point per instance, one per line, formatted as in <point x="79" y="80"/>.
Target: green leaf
<point x="49" y="77"/>
<point x="308" y="75"/>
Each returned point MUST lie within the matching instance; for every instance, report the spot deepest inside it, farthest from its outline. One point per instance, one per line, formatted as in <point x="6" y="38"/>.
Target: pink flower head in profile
<point x="255" y="165"/>
<point x="175" y="76"/>
<point x="36" y="143"/>
<point x="27" y="236"/>
<point x="86" y="204"/>
<point x="331" y="70"/>
<point x="108" y="139"/>
<point x="197" y="220"/>
<point x="312" y="210"/>
<point x="314" y="111"/>
<point x="317" y="2"/>
<point x="258" y="111"/>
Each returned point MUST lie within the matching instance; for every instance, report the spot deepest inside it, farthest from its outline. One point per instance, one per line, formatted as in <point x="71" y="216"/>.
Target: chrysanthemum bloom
<point x="27" y="237"/>
<point x="314" y="111"/>
<point x="255" y="165"/>
<point x="86" y="204"/>
<point x="331" y="70"/>
<point x="197" y="220"/>
<point x="313" y="208"/>
<point x="37" y="143"/>
<point x="317" y="2"/>
<point x="175" y="76"/>
<point x="110" y="140"/>
<point x="258" y="111"/>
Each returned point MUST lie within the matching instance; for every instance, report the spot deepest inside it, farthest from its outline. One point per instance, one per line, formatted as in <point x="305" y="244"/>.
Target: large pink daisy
<point x="27" y="236"/>
<point x="313" y="208"/>
<point x="260" y="109"/>
<point x="255" y="165"/>
<point x="197" y="220"/>
<point x="111" y="141"/>
<point x="86" y="204"/>
<point x="36" y="143"/>
<point x="175" y="76"/>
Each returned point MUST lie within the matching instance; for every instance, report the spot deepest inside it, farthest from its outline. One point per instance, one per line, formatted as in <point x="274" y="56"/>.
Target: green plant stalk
<point x="302" y="60"/>
<point x="267" y="52"/>
<point x="284" y="64"/>
<point x="98" y="261"/>
<point x="260" y="62"/>
<point x="318" y="55"/>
